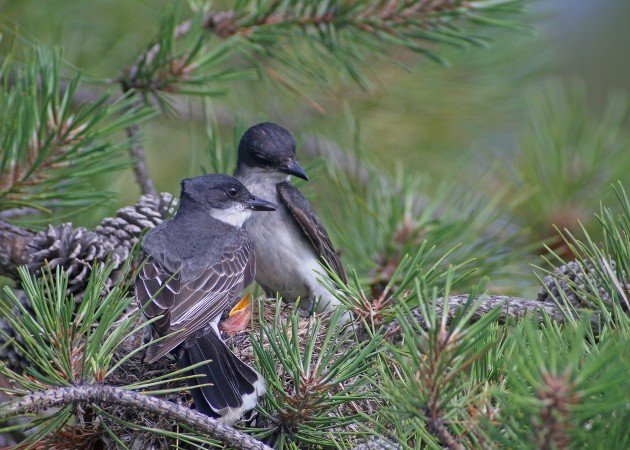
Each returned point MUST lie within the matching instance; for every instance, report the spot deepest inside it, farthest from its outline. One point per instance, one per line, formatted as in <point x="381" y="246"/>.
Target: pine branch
<point x="50" y="150"/>
<point x="511" y="307"/>
<point x="313" y="369"/>
<point x="336" y="30"/>
<point x="81" y="96"/>
<point x="78" y="250"/>
<point x="557" y="380"/>
<point x="18" y="246"/>
<point x="109" y="395"/>
<point x="434" y="355"/>
<point x="147" y="57"/>
<point x="313" y="145"/>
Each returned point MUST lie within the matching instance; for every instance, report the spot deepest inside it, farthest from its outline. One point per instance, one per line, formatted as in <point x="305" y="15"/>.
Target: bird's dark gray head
<point x="269" y="147"/>
<point x="223" y="196"/>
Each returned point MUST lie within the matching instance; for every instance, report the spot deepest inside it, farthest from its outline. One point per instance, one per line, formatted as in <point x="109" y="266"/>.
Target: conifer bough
<point x="77" y="250"/>
<point x="336" y="28"/>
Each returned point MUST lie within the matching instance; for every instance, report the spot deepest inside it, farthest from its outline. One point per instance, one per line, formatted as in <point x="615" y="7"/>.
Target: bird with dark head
<point x="269" y="148"/>
<point x="290" y="243"/>
<point x="196" y="266"/>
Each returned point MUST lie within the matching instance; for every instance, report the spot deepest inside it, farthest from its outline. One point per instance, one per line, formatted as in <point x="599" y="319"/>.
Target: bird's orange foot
<point x="239" y="317"/>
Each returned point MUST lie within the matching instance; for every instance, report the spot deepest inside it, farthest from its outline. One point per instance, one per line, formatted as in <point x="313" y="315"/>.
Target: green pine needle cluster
<point x="403" y="211"/>
<point x="50" y="149"/>
<point x="601" y="277"/>
<point x="565" y="388"/>
<point x="67" y="345"/>
<point x="97" y="341"/>
<point x="432" y="379"/>
<point x="317" y="377"/>
<point x="280" y="40"/>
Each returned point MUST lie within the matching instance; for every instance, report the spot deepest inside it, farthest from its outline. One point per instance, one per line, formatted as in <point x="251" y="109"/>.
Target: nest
<point x="134" y="370"/>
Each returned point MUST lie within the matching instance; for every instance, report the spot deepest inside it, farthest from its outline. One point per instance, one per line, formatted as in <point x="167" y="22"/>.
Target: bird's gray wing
<point x="190" y="298"/>
<point x="312" y="227"/>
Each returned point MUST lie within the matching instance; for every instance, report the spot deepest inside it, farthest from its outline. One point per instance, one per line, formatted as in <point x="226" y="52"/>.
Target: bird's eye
<point x="232" y="192"/>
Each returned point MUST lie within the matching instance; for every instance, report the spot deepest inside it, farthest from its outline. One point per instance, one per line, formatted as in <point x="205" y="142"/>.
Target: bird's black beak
<point x="293" y="168"/>
<point x="258" y="204"/>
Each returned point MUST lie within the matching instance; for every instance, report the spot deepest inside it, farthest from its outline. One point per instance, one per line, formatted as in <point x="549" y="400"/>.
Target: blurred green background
<point x="543" y="109"/>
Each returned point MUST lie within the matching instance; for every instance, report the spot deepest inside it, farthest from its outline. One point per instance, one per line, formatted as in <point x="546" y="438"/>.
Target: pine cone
<point x="576" y="280"/>
<point x="77" y="249"/>
<point x="124" y="230"/>
<point x="10" y="340"/>
<point x="74" y="249"/>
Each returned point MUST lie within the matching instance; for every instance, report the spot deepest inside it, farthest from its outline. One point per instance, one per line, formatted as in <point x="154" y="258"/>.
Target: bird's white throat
<point x="261" y="175"/>
<point x="235" y="215"/>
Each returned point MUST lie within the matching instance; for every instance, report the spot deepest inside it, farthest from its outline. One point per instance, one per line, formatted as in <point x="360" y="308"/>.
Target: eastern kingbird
<point x="196" y="266"/>
<point x="290" y="242"/>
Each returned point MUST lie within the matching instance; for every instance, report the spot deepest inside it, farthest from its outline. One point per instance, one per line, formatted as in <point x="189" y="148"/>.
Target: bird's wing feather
<point x="188" y="301"/>
<point x="312" y="227"/>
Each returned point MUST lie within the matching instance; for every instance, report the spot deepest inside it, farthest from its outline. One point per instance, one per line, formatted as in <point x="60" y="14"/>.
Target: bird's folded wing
<point x="189" y="299"/>
<point x="312" y="227"/>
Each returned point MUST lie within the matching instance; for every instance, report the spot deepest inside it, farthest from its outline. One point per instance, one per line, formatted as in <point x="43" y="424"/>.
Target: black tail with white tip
<point x="232" y="386"/>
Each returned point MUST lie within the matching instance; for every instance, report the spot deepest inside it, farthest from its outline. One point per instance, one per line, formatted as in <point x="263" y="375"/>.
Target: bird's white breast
<point x="285" y="260"/>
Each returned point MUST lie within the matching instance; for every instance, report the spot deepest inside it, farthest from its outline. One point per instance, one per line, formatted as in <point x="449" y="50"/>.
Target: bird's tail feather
<point x="233" y="387"/>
